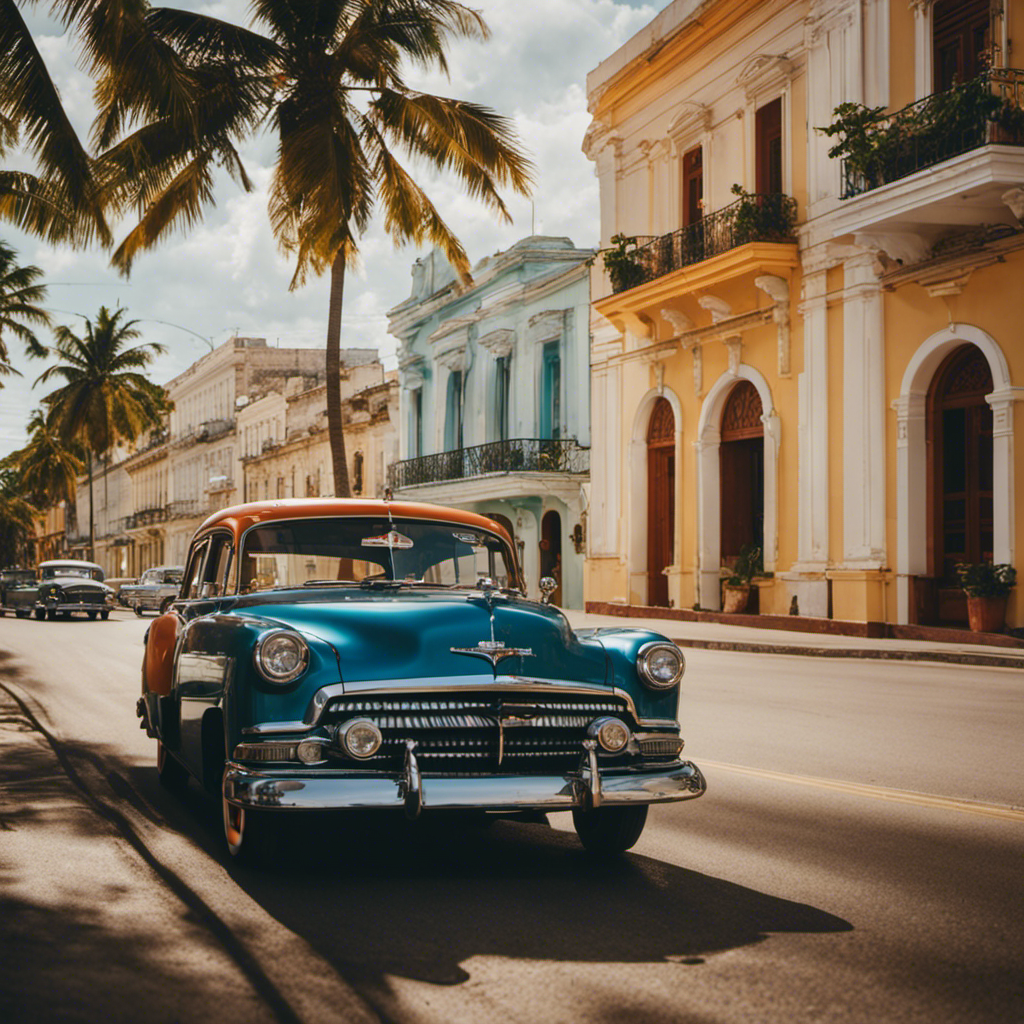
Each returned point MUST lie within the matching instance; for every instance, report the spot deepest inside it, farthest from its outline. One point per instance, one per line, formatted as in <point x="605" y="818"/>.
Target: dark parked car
<point x="65" y="586"/>
<point x="12" y="579"/>
<point x="156" y="589"/>
<point x="333" y="654"/>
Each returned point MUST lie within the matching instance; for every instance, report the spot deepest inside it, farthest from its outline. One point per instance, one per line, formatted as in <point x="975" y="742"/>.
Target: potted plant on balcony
<point x="620" y="262"/>
<point x="737" y="583"/>
<point x="987" y="587"/>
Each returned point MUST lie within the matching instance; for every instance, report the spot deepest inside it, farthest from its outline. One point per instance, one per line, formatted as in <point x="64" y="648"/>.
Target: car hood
<point x="75" y="581"/>
<point x="411" y="635"/>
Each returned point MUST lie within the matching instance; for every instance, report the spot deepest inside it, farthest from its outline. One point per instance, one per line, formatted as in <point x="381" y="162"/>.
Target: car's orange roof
<point x="238" y="518"/>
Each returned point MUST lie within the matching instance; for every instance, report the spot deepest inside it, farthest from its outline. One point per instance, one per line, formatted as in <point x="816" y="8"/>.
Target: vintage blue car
<point x="329" y="654"/>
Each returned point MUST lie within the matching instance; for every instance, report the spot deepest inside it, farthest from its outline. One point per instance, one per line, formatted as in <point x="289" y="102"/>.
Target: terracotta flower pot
<point x="986" y="614"/>
<point x="735" y="599"/>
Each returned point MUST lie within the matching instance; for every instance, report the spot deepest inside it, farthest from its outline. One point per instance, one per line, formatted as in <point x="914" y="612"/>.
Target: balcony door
<point x="551" y="391"/>
<point x="551" y="552"/>
<point x="453" y="413"/>
<point x="661" y="496"/>
<point x="741" y="456"/>
<point x="693" y="186"/>
<point x="960" y="37"/>
<point x="961" y="470"/>
<point x="768" y="148"/>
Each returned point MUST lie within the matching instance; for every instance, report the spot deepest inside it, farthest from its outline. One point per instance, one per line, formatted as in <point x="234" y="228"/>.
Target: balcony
<point x="188" y="509"/>
<point x="953" y="159"/>
<point x="146" y="517"/>
<point x="769" y="217"/>
<point x="519" y="455"/>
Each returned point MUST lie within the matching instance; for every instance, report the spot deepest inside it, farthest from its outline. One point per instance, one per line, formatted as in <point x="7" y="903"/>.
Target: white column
<point x="923" y="79"/>
<point x="709" y="527"/>
<point x="863" y="417"/>
<point x="812" y="441"/>
<point x="912" y="496"/>
<point x="1003" y="503"/>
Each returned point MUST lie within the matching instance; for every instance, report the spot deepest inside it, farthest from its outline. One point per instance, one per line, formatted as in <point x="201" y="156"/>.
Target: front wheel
<point x="137" y="608"/>
<point x="610" y="830"/>
<point x="51" y="614"/>
<point x="92" y="616"/>
<point x="40" y="614"/>
<point x="105" y="614"/>
<point x="251" y="836"/>
<point x="21" y="613"/>
<point x="165" y="604"/>
<point x="171" y="773"/>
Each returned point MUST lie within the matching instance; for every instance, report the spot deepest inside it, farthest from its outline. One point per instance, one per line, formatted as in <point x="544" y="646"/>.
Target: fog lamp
<point x="312" y="752"/>
<point x="611" y="734"/>
<point x="359" y="738"/>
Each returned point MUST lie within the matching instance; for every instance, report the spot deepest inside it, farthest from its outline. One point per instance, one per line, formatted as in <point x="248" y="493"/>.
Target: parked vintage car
<point x="13" y="579"/>
<point x="156" y="589"/>
<point x="342" y="654"/>
<point x="64" y="586"/>
<point x="116" y="583"/>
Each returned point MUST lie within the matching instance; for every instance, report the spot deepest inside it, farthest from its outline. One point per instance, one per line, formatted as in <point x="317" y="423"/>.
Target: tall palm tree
<point x="47" y="467"/>
<point x="328" y="79"/>
<point x="17" y="521"/>
<point x="62" y="201"/>
<point x="19" y="294"/>
<point x="106" y="397"/>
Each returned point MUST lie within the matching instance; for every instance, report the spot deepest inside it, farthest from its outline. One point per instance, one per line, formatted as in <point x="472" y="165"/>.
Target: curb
<point x="802" y="650"/>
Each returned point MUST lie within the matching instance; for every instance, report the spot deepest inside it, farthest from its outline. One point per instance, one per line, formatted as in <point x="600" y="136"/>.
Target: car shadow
<point x="377" y="896"/>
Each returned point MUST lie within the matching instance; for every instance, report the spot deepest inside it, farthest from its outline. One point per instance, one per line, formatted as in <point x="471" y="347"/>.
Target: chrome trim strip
<point x="313" y="789"/>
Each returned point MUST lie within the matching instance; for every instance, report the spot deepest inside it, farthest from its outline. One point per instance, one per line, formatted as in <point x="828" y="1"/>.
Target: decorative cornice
<point x="499" y="343"/>
<point x="692" y="119"/>
<point x="765" y="73"/>
<point x="546" y="326"/>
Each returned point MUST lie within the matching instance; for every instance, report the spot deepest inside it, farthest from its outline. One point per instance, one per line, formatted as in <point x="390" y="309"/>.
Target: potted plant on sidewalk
<point x="987" y="587"/>
<point x="736" y="588"/>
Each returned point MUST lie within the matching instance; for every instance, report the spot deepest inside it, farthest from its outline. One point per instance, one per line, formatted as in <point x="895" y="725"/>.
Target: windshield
<point x="363" y="550"/>
<point x="68" y="570"/>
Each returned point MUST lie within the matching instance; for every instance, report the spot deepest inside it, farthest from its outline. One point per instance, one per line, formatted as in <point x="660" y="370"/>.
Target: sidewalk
<point x="723" y="636"/>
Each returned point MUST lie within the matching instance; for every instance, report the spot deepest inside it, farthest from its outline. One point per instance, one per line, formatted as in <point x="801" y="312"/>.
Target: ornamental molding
<point x="499" y="343"/>
<point x="827" y="17"/>
<point x="414" y="374"/>
<point x="546" y="326"/>
<point x="765" y="73"/>
<point x="692" y="120"/>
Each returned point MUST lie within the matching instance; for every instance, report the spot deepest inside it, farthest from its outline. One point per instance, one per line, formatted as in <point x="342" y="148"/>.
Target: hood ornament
<point x="493" y="651"/>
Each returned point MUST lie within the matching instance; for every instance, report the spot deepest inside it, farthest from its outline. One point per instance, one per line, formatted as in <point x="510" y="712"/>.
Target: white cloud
<point x="227" y="274"/>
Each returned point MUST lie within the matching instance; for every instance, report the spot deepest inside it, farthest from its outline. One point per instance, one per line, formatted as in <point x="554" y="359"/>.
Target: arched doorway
<point x="661" y="493"/>
<point x="741" y="472"/>
<point x="507" y="523"/>
<point x="961" y="519"/>
<point x="551" y="551"/>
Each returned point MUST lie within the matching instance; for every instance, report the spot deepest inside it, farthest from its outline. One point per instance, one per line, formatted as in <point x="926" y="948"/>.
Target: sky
<point x="226" y="276"/>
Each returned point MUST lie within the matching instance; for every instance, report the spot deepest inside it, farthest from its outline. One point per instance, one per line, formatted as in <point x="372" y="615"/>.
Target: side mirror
<point x="548" y="585"/>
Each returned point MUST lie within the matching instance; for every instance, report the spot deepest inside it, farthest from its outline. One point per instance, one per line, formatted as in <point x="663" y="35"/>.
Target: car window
<point x="173" y="577"/>
<point x="193" y="573"/>
<point x="218" y="563"/>
<point x="297" y="552"/>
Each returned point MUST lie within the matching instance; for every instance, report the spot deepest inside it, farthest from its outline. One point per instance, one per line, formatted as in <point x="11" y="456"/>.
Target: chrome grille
<point x="517" y="731"/>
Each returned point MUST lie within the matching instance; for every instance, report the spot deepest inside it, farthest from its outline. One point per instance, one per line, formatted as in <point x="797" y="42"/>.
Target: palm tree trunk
<point x="335" y="431"/>
<point x="92" y="517"/>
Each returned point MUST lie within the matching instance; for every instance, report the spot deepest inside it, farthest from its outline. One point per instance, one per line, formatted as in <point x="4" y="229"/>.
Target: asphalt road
<point x="857" y="859"/>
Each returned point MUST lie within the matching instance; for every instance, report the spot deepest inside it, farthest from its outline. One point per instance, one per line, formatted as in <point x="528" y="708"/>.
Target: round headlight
<point x="359" y="738"/>
<point x="661" y="665"/>
<point x="611" y="734"/>
<point x="281" y="656"/>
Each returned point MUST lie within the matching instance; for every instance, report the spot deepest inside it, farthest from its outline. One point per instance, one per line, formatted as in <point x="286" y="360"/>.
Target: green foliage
<point x="17" y="527"/>
<point x="620" y="262"/>
<point x="983" y="579"/>
<point x="761" y="218"/>
<point x="20" y="295"/>
<point x="748" y="564"/>
<point x="879" y="147"/>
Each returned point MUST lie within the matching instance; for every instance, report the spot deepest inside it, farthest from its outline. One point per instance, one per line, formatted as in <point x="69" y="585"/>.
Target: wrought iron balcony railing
<point x="988" y="109"/>
<point x="766" y="217"/>
<point x="518" y="455"/>
<point x="146" y="517"/>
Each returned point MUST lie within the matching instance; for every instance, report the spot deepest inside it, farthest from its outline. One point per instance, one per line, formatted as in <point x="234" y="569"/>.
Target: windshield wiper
<point x="330" y="583"/>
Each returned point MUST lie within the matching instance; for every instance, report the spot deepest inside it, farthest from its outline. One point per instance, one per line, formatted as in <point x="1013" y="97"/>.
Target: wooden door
<point x="661" y="500"/>
<point x="741" y="465"/>
<point x="960" y="41"/>
<point x="768" y="147"/>
<point x="551" y="552"/>
<point x="960" y="422"/>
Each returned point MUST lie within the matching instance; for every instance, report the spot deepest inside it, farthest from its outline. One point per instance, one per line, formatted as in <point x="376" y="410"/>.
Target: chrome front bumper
<point x="336" y="790"/>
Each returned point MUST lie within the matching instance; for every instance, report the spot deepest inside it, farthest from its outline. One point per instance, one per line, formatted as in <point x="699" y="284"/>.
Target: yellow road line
<point x="902" y="796"/>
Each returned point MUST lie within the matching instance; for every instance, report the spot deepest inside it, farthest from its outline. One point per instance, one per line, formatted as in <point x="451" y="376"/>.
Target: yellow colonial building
<point x="809" y="342"/>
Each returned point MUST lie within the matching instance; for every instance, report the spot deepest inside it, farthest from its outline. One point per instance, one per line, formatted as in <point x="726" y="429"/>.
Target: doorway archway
<point x="741" y="472"/>
<point x="551" y="551"/>
<point x="661" y="490"/>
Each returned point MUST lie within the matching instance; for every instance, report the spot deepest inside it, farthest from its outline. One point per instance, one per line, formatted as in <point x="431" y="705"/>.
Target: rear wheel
<point x="171" y="772"/>
<point x="610" y="830"/>
<point x="251" y="836"/>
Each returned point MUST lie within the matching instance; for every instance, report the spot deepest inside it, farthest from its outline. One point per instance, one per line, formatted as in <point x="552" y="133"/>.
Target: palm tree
<point x="328" y="80"/>
<point x="47" y="468"/>
<point x="19" y="294"/>
<point x="63" y="201"/>
<point x="106" y="398"/>
<point x="17" y="521"/>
